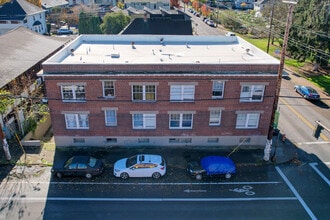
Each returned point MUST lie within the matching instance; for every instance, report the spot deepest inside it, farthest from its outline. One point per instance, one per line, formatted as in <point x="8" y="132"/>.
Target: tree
<point x="310" y="32"/>
<point x="35" y="2"/>
<point x="5" y="102"/>
<point x="89" y="24"/>
<point x="114" y="22"/>
<point x="174" y="3"/>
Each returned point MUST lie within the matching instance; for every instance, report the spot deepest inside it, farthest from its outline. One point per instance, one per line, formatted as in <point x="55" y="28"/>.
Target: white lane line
<point x="302" y="202"/>
<point x="145" y="184"/>
<point x="313" y="165"/>
<point x="313" y="143"/>
<point x="153" y="199"/>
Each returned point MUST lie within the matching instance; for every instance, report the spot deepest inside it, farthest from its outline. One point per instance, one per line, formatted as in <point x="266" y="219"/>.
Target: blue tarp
<point x="218" y="165"/>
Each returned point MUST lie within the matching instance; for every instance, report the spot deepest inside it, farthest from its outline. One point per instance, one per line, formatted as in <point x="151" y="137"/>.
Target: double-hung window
<point x="252" y="93"/>
<point x="144" y="120"/>
<point x="181" y="120"/>
<point x="182" y="93"/>
<point x="215" y="116"/>
<point x="247" y="120"/>
<point x="110" y="115"/>
<point x="217" y="89"/>
<point x="108" y="88"/>
<point x="143" y="92"/>
<point x="76" y="120"/>
<point x="73" y="92"/>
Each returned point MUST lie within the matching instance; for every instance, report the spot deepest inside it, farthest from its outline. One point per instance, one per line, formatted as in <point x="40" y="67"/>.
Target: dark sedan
<point x="78" y="166"/>
<point x="211" y="166"/>
<point x="307" y="92"/>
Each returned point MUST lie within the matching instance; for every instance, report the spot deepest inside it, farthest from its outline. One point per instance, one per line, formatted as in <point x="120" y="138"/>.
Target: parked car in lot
<point x="210" y="23"/>
<point x="230" y="34"/>
<point x="64" y="31"/>
<point x="211" y="166"/>
<point x="78" y="166"/>
<point x="307" y="92"/>
<point x="142" y="165"/>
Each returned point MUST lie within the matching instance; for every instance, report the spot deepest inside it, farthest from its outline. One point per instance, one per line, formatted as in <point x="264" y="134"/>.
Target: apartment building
<point x="160" y="90"/>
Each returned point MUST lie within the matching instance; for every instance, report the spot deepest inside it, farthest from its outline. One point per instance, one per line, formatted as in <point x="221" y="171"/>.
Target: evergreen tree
<point x="309" y="34"/>
<point x="89" y="24"/>
<point x="114" y="22"/>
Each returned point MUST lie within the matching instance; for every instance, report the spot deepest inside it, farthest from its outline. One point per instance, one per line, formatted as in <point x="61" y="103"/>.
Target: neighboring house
<point x="48" y="5"/>
<point x="160" y="90"/>
<point x="260" y="4"/>
<point x="244" y="4"/>
<point x="153" y="5"/>
<point x="21" y="55"/>
<point x="19" y="13"/>
<point x="80" y="2"/>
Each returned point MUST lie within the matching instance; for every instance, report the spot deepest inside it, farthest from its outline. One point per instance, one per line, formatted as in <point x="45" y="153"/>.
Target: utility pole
<point x="270" y="25"/>
<point x="267" y="149"/>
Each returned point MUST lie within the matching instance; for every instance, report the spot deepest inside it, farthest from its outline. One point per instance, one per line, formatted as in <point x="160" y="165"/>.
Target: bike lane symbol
<point x="245" y="189"/>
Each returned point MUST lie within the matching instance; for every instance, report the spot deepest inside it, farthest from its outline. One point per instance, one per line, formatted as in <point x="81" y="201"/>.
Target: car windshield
<point x="92" y="162"/>
<point x="311" y="90"/>
<point x="131" y="161"/>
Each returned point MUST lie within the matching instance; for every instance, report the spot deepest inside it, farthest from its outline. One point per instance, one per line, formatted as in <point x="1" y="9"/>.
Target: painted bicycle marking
<point x="245" y="189"/>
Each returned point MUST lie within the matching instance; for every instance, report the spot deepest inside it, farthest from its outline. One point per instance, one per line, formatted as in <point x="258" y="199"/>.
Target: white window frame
<point x="218" y="87"/>
<point x="247" y="120"/>
<point x="110" y="88"/>
<point x="182" y="93"/>
<point x="144" y="92"/>
<point x="215" y="116"/>
<point x="76" y="120"/>
<point x="252" y="92"/>
<point x="107" y="116"/>
<point x="72" y="90"/>
<point x="181" y="119"/>
<point x="147" y="120"/>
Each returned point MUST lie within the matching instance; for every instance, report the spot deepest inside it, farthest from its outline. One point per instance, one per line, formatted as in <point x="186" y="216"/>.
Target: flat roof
<point x="160" y="49"/>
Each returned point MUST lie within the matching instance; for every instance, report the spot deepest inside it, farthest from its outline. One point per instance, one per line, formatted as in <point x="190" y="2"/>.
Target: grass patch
<point x="323" y="81"/>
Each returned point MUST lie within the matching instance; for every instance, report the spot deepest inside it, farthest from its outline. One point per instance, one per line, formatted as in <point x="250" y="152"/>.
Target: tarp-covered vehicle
<point x="211" y="166"/>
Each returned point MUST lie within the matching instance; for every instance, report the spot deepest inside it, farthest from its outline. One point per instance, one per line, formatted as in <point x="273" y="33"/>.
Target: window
<point x="76" y="121"/>
<point x="78" y="140"/>
<point x="180" y="140"/>
<point x="215" y="116"/>
<point x="110" y="117"/>
<point x="252" y="93"/>
<point x="247" y="120"/>
<point x="182" y="120"/>
<point x="111" y="140"/>
<point x="182" y="92"/>
<point x="217" y="89"/>
<point x="73" y="92"/>
<point x="213" y="140"/>
<point x="144" y="121"/>
<point x="144" y="93"/>
<point x="108" y="89"/>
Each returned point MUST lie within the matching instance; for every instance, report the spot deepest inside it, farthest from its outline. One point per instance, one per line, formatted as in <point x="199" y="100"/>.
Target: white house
<point x="18" y="13"/>
<point x="153" y="5"/>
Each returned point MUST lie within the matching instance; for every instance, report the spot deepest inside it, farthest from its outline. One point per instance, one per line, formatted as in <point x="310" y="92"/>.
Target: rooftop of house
<point x="160" y="49"/>
<point x="21" y="49"/>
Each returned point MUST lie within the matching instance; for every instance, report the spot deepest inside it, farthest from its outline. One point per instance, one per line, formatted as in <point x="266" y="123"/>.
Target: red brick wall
<point x="203" y="95"/>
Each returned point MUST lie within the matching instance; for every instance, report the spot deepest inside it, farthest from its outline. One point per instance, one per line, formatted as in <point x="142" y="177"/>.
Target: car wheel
<point x="88" y="175"/>
<point x="59" y="175"/>
<point x="156" y="175"/>
<point x="228" y="175"/>
<point x="199" y="177"/>
<point x="124" y="176"/>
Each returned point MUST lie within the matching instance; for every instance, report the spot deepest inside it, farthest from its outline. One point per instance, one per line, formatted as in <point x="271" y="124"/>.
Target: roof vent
<point x="115" y="55"/>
